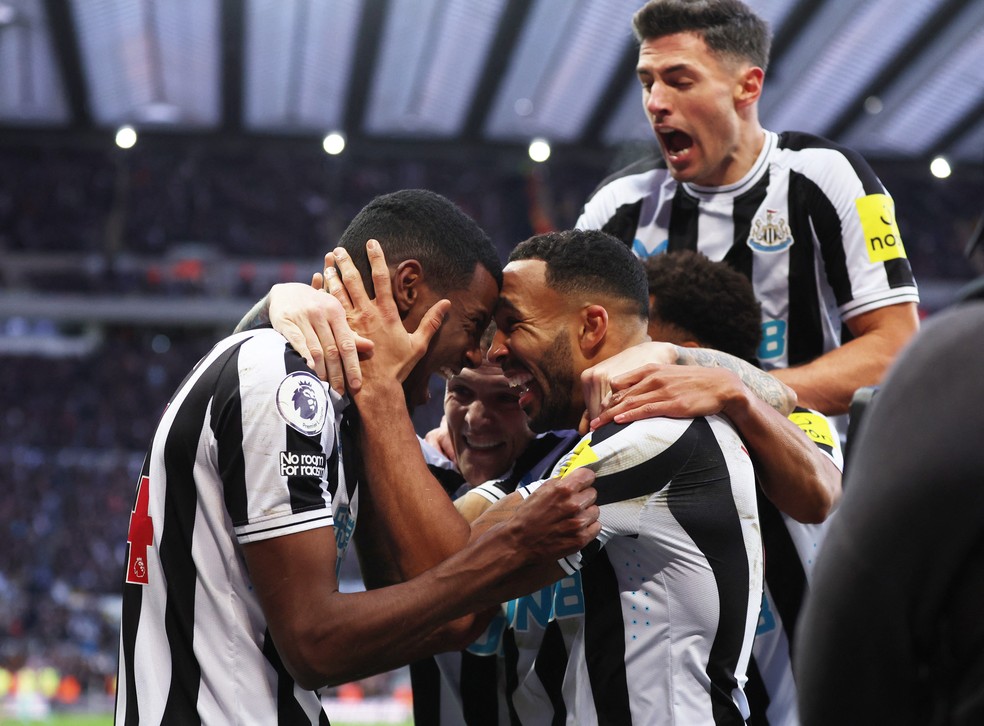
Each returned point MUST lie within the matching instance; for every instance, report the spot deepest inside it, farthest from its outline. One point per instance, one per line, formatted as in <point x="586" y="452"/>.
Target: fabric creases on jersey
<point x="225" y="468"/>
<point x="668" y="604"/>
<point x="471" y="687"/>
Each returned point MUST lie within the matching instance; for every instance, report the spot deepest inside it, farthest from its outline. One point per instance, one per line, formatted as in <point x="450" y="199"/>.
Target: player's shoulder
<point x="806" y="153"/>
<point x="264" y="358"/>
<point x="646" y="436"/>
<point x="802" y="140"/>
<point x="639" y="171"/>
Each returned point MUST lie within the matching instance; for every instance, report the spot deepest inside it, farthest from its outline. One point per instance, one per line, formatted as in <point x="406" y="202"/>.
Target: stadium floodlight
<point x="334" y="143"/>
<point x="940" y="168"/>
<point x="126" y="137"/>
<point x="539" y="150"/>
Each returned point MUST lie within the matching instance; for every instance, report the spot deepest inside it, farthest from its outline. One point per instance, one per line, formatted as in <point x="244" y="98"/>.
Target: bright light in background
<point x="126" y="137"/>
<point x="8" y="14"/>
<point x="940" y="168"/>
<point x="334" y="143"/>
<point x="539" y="150"/>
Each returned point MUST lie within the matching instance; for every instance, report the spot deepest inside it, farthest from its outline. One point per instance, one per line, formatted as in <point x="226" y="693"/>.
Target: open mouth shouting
<point x="676" y="144"/>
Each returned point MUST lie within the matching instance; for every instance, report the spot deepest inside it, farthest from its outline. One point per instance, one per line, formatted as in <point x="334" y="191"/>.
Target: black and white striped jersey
<point x="468" y="687"/>
<point x="791" y="549"/>
<point x="810" y="225"/>
<point x="657" y="625"/>
<point x="246" y="450"/>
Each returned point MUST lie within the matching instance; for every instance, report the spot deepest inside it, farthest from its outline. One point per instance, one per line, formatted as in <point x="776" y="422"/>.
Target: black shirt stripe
<point x="177" y="563"/>
<point x="712" y="522"/>
<point x="604" y="642"/>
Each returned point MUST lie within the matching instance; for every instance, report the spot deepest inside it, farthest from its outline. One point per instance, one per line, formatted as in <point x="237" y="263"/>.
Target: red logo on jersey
<point x="140" y="535"/>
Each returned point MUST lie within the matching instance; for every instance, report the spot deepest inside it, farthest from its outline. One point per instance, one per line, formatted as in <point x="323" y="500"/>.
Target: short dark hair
<point x="589" y="261"/>
<point x="710" y="301"/>
<point x="422" y="225"/>
<point x="729" y="27"/>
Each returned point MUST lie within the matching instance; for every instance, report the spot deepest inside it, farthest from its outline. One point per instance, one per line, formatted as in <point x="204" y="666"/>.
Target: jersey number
<point x="773" y="343"/>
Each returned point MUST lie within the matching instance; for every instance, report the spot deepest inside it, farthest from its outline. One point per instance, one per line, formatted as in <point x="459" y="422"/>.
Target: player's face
<point x="456" y="344"/>
<point x="488" y="428"/>
<point x="533" y="346"/>
<point x="689" y="94"/>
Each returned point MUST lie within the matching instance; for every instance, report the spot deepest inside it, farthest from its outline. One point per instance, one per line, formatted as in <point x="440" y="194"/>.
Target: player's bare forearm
<point x="828" y="383"/>
<point x="258" y="315"/>
<point x="767" y="387"/>
<point x="373" y="546"/>
<point x="793" y="473"/>
<point x="412" y="511"/>
<point x="327" y="637"/>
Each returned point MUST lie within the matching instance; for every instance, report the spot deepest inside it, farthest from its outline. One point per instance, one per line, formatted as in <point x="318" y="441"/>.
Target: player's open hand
<point x="315" y="325"/>
<point x="674" y="391"/>
<point x="560" y="517"/>
<point x="597" y="380"/>
<point x="396" y="351"/>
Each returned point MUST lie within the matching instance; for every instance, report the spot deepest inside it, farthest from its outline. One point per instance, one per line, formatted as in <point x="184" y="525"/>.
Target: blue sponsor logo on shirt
<point x="640" y="250"/>
<point x="344" y="524"/>
<point x="563" y="599"/>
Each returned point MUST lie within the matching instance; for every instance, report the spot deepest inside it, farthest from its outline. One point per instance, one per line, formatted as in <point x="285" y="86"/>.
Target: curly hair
<point x="709" y="301"/>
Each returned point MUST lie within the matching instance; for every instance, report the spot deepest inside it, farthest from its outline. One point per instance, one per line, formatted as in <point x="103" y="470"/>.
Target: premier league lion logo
<point x="303" y="402"/>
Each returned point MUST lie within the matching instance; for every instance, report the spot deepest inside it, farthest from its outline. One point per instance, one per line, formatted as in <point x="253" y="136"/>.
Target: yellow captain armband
<point x="582" y="455"/>
<point x="881" y="232"/>
<point x="815" y="426"/>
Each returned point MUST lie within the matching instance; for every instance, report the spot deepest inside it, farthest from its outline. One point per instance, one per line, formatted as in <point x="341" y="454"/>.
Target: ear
<point x="593" y="330"/>
<point x="407" y="280"/>
<point x="749" y="87"/>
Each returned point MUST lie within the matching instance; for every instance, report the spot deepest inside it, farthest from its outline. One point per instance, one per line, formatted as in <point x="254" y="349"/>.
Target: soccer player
<point x="489" y="441"/>
<point x="688" y="297"/>
<point x="805" y="220"/>
<point x="250" y="493"/>
<point x="677" y="496"/>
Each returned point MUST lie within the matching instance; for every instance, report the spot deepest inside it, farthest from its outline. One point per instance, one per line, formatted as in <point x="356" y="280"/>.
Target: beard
<point x="557" y="405"/>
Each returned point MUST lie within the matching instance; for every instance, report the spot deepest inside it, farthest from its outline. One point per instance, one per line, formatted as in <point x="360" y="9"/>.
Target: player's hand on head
<point x="315" y="325"/>
<point x="673" y="391"/>
<point x="561" y="516"/>
<point x="597" y="379"/>
<point x="396" y="351"/>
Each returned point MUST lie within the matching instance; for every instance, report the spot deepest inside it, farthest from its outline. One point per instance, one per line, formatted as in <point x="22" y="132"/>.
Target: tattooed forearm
<point x="258" y="315"/>
<point x="769" y="388"/>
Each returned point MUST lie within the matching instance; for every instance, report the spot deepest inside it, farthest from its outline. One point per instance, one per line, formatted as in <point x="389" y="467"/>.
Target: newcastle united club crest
<point x="770" y="235"/>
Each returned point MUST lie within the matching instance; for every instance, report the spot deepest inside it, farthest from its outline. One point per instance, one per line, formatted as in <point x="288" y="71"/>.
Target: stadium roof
<point x="895" y="79"/>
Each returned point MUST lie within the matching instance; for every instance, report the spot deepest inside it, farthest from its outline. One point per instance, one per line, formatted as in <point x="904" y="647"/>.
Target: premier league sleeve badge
<point x="303" y="403"/>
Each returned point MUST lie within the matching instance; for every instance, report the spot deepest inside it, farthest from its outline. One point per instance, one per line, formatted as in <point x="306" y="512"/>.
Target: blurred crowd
<point x="73" y="429"/>
<point x="195" y="220"/>
<point x="72" y="432"/>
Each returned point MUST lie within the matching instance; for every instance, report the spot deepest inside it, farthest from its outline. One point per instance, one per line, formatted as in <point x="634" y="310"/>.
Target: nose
<point x="498" y="350"/>
<point x="476" y="414"/>
<point x="656" y="102"/>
